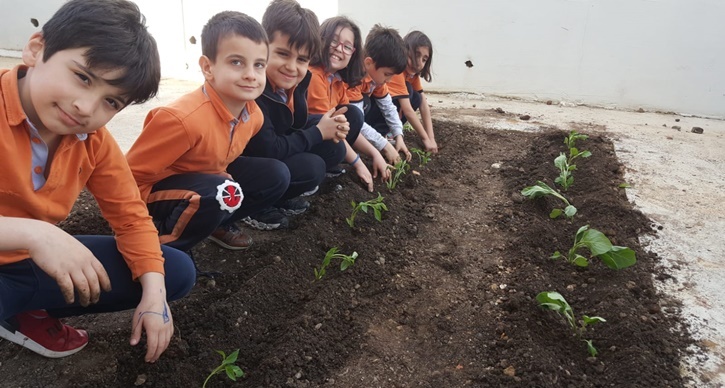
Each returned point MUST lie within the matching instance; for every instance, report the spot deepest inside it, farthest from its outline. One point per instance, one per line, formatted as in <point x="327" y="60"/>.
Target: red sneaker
<point x="43" y="334"/>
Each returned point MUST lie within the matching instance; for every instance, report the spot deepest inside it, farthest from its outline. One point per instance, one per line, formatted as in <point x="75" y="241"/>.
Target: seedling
<point x="227" y="365"/>
<point x="566" y="164"/>
<point x="553" y="300"/>
<point x="401" y="168"/>
<point x="624" y="185"/>
<point x="614" y="257"/>
<point x="423" y="156"/>
<point x="407" y="127"/>
<point x="345" y="263"/>
<point x="376" y="204"/>
<point x="542" y="189"/>
<point x="565" y="179"/>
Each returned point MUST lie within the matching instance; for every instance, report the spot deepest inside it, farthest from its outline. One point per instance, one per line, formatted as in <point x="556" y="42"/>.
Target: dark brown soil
<point x="442" y="294"/>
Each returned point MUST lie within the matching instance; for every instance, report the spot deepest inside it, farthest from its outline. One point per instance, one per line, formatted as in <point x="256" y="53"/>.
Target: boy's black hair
<point x="355" y="71"/>
<point x="227" y="23"/>
<point x="115" y="34"/>
<point x="300" y="24"/>
<point x="386" y="48"/>
<point x="416" y="39"/>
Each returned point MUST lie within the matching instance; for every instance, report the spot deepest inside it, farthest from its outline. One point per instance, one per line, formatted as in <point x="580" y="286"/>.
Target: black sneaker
<point x="311" y="192"/>
<point x="293" y="206"/>
<point x="267" y="219"/>
<point x="334" y="172"/>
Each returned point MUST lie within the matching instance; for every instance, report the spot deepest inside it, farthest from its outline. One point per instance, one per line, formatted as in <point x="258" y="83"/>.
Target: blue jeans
<point x="25" y="287"/>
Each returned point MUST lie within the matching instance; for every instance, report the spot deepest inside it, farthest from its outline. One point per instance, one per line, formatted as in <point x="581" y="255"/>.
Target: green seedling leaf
<point x="580" y="261"/>
<point x="556" y="255"/>
<point x="570" y="211"/>
<point x="624" y="185"/>
<point x="555" y="213"/>
<point x="560" y="162"/>
<point x="233" y="372"/>
<point x="585" y="154"/>
<point x="590" y="348"/>
<point x="618" y="257"/>
<point x="592" y="320"/>
<point x="227" y="366"/>
<point x="596" y="241"/>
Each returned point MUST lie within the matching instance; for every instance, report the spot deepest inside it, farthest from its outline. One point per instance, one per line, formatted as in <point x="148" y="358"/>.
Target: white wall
<point x="172" y="22"/>
<point x="664" y="55"/>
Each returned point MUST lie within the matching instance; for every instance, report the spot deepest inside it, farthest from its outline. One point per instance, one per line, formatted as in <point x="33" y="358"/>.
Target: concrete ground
<point x="674" y="176"/>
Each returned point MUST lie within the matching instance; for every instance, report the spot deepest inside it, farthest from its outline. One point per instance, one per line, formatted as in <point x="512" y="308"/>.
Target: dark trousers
<point x="187" y="208"/>
<point x="374" y="117"/>
<point x="25" y="287"/>
<point x="311" y="166"/>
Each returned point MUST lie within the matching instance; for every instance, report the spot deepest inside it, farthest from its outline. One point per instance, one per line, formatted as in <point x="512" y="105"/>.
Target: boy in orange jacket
<point x="92" y="59"/>
<point x="187" y="159"/>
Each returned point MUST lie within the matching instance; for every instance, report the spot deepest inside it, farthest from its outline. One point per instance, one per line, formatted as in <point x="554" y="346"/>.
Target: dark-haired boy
<point x="308" y="145"/>
<point x="92" y="58"/>
<point x="385" y="56"/>
<point x="187" y="160"/>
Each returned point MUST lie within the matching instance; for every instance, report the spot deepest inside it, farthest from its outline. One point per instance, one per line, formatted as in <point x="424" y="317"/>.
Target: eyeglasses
<point x="346" y="48"/>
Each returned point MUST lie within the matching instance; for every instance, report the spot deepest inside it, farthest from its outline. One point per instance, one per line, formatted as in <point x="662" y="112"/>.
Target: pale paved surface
<point x="676" y="178"/>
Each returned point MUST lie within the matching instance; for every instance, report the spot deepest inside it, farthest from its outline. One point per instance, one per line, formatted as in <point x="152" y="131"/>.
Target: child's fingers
<point x="339" y="111"/>
<point x="137" y="329"/>
<point x="102" y="275"/>
<point x="66" y="288"/>
<point x="152" y="343"/>
<point x="82" y="287"/>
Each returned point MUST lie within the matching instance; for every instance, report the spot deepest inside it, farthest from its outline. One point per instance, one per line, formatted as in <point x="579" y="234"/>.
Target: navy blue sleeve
<point x="269" y="143"/>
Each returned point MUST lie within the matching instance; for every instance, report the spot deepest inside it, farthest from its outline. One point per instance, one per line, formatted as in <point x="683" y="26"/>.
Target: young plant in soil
<point x="423" y="156"/>
<point x="541" y="189"/>
<point x="399" y="170"/>
<point x="376" y="204"/>
<point x="345" y="263"/>
<point x="566" y="164"/>
<point x="553" y="300"/>
<point x="227" y="365"/>
<point x="614" y="257"/>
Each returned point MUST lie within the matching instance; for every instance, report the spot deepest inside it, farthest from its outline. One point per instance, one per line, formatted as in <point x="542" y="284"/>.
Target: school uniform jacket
<point x="379" y="95"/>
<point x="96" y="163"/>
<point x="194" y="134"/>
<point x="326" y="91"/>
<point x="397" y="86"/>
<point x="283" y="133"/>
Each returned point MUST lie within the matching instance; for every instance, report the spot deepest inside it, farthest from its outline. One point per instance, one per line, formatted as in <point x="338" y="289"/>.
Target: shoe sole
<point x="227" y="246"/>
<point x="311" y="192"/>
<point x="261" y="225"/>
<point x="291" y="212"/>
<point x="22" y="340"/>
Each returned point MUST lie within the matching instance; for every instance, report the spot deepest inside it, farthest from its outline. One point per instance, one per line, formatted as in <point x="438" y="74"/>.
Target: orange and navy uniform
<point x="188" y="165"/>
<point x="367" y="88"/>
<point x="194" y="134"/>
<point x="381" y="115"/>
<point x="95" y="162"/>
<point x="398" y="88"/>
<point x="326" y="91"/>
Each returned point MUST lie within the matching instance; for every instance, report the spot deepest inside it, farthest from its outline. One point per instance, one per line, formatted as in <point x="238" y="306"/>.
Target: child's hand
<point x="70" y="264"/>
<point x="430" y="145"/>
<point x="381" y="168"/>
<point x="390" y="153"/>
<point x="333" y="125"/>
<point x="364" y="174"/>
<point x="153" y="316"/>
<point x="401" y="147"/>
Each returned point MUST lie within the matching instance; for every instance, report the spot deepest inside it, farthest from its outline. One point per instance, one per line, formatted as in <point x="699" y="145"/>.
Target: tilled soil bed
<point x="442" y="294"/>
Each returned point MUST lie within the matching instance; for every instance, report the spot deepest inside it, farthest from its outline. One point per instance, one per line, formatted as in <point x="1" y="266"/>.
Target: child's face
<point x="421" y="58"/>
<point x="63" y="95"/>
<point x="237" y="72"/>
<point x="287" y="66"/>
<point x="341" y="49"/>
<point x="380" y="75"/>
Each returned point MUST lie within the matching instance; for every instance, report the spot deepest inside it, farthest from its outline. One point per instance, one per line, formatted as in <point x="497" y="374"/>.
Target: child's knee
<point x="180" y="273"/>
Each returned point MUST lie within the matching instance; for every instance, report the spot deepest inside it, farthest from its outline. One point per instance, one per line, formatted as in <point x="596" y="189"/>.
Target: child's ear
<point x="369" y="62"/>
<point x="33" y="50"/>
<point x="205" y="65"/>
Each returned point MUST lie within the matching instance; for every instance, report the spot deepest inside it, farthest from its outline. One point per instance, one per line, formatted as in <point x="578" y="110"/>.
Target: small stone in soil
<point x="697" y="130"/>
<point x="525" y="117"/>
